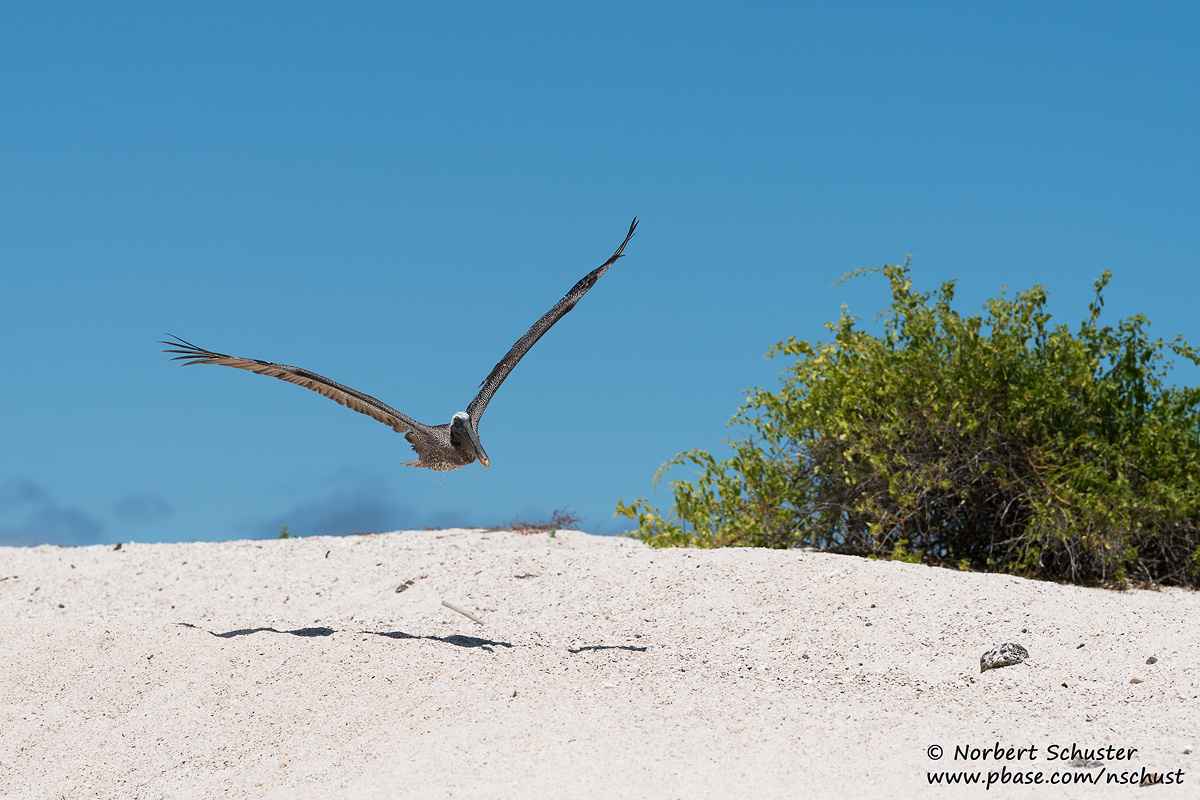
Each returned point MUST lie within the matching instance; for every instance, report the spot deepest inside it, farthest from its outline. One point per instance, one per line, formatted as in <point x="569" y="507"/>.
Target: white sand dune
<point x="295" y="669"/>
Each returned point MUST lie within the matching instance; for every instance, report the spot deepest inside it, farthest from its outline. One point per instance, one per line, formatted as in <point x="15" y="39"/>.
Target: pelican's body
<point x="447" y="447"/>
<point x="440" y="447"/>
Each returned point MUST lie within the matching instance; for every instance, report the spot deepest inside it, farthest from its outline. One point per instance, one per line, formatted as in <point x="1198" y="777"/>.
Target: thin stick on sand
<point x="466" y="614"/>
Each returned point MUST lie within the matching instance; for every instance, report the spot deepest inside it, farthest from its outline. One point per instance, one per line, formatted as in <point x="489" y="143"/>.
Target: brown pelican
<point x="441" y="447"/>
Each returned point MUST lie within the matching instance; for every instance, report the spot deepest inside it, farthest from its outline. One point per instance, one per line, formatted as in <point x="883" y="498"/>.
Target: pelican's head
<point x="463" y="436"/>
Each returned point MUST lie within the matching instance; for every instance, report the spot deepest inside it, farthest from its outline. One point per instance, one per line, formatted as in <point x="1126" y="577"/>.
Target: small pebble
<point x="1151" y="659"/>
<point x="1135" y="680"/>
<point x="1005" y="655"/>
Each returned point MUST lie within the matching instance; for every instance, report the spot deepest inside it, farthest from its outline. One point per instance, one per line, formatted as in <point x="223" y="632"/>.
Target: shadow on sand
<point x="456" y="640"/>
<point x="630" y="648"/>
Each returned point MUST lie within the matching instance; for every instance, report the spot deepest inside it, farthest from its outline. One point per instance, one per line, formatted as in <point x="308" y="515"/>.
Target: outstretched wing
<point x="499" y="372"/>
<point x="344" y="395"/>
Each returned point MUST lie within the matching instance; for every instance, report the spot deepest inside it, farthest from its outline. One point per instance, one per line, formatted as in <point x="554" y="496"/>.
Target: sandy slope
<point x="605" y="669"/>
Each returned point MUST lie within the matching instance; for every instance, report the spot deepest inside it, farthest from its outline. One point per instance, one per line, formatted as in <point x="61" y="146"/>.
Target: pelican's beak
<point x="482" y="456"/>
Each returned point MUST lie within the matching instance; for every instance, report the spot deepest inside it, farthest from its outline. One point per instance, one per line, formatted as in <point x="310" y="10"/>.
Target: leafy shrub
<point x="993" y="442"/>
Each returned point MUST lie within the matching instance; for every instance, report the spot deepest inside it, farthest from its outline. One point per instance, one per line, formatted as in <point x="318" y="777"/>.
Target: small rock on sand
<point x="1004" y="655"/>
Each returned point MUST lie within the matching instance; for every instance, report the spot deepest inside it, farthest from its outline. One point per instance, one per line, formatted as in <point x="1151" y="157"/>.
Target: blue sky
<point x="390" y="193"/>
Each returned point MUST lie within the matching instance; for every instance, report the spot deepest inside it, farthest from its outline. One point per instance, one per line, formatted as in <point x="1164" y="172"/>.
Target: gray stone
<point x="1005" y="655"/>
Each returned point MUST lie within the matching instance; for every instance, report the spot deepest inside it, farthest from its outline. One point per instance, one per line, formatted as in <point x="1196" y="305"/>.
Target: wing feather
<point x="522" y="346"/>
<point x="350" y="398"/>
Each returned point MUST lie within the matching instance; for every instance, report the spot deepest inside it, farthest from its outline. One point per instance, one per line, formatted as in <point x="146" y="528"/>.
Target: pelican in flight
<point x="440" y="447"/>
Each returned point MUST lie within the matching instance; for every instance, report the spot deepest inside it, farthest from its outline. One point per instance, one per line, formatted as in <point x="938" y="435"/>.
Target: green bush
<point x="994" y="442"/>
